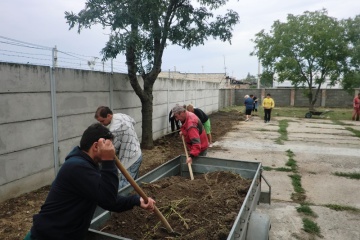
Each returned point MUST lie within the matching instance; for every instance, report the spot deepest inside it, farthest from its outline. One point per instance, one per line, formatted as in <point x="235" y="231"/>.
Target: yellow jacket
<point x="268" y="103"/>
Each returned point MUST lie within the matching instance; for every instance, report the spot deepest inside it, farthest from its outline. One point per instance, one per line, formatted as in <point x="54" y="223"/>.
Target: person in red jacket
<point x="193" y="131"/>
<point x="356" y="105"/>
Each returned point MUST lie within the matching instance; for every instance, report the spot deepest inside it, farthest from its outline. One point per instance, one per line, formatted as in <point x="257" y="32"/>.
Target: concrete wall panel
<point x="28" y="106"/>
<point x="66" y="146"/>
<point x="80" y="102"/>
<point x="74" y="80"/>
<point x="72" y="126"/>
<point x="121" y="82"/>
<point x="160" y="97"/>
<point x="24" y="78"/>
<point x="17" y="165"/>
<point x="23" y="135"/>
<point x="339" y="99"/>
<point x="27" y="184"/>
<point x="161" y="84"/>
<point x="126" y="99"/>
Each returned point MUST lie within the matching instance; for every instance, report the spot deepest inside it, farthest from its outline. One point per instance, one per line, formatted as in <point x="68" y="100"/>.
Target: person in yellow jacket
<point x="268" y="104"/>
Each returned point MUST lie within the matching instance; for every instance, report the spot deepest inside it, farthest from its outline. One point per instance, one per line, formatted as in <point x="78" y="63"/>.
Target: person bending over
<point x="80" y="186"/>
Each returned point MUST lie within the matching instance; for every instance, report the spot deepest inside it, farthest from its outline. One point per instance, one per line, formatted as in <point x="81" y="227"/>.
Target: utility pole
<point x="258" y="80"/>
<point x="224" y="66"/>
<point x="54" y="57"/>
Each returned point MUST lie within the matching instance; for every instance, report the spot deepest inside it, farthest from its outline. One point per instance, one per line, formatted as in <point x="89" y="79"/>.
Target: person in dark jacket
<point x="205" y="120"/>
<point x="80" y="186"/>
<point x="255" y="102"/>
<point x="173" y="122"/>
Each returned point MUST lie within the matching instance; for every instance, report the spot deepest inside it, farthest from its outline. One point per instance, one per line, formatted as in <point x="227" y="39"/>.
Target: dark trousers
<point x="173" y="122"/>
<point x="267" y="114"/>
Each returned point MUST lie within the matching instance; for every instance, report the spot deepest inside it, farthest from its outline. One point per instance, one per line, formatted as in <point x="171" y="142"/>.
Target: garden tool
<point x="187" y="156"/>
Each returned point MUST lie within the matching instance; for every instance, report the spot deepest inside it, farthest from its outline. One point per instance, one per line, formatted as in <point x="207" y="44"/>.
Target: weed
<point x="356" y="132"/>
<point x="280" y="169"/>
<point x="305" y="209"/>
<point x="354" y="175"/>
<point x="291" y="162"/>
<point x="296" y="182"/>
<point x="283" y="124"/>
<point x="311" y="226"/>
<point x="337" y="207"/>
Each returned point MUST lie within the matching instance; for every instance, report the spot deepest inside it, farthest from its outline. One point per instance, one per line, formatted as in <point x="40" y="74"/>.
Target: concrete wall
<point x="226" y="98"/>
<point x="44" y="113"/>
<point x="295" y="97"/>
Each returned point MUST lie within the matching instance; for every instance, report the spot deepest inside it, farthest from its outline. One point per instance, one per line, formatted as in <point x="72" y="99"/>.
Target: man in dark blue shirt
<point x="80" y="186"/>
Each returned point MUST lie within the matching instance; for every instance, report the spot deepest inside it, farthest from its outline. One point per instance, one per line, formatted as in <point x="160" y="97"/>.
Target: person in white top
<point x="126" y="142"/>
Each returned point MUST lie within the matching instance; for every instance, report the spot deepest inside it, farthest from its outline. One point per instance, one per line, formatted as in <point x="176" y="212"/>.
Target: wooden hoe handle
<point x="141" y="193"/>
<point x="187" y="156"/>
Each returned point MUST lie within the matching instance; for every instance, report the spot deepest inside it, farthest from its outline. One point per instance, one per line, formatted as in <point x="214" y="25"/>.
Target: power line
<point x="63" y="58"/>
<point x="25" y="43"/>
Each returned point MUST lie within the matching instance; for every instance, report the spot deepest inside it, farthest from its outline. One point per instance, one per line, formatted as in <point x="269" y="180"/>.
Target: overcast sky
<point x="42" y="22"/>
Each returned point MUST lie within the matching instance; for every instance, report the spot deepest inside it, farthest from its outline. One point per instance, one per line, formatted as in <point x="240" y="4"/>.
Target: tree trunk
<point x="310" y="97"/>
<point x="147" y="113"/>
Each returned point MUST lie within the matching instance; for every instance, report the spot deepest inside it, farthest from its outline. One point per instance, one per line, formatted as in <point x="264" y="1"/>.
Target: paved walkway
<point x="321" y="148"/>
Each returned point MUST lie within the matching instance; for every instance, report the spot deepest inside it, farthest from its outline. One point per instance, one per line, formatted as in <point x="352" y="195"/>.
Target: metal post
<point x="111" y="87"/>
<point x="54" y="112"/>
<point x="54" y="57"/>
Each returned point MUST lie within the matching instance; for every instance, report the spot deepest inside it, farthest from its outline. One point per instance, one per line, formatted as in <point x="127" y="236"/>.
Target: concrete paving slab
<point x="270" y="159"/>
<point x="286" y="223"/>
<point x="346" y="224"/>
<point x="297" y="147"/>
<point x="318" y="155"/>
<point x="321" y="163"/>
<point x="330" y="142"/>
<point x="281" y="186"/>
<point x="331" y="189"/>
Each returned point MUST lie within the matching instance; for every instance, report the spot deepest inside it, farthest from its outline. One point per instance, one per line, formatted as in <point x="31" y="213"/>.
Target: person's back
<point x="205" y="120"/>
<point x="192" y="128"/>
<point x="249" y="103"/>
<point x="126" y="141"/>
<point x="201" y="115"/>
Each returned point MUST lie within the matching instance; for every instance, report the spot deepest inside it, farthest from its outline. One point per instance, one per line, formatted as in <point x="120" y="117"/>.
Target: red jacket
<point x="194" y="134"/>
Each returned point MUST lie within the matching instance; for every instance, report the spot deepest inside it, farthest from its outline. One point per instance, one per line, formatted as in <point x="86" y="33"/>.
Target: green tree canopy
<point x="142" y="29"/>
<point x="352" y="76"/>
<point x="307" y="50"/>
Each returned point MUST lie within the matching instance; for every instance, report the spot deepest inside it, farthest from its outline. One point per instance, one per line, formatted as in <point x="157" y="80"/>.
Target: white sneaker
<point x="246" y="120"/>
<point x="211" y="145"/>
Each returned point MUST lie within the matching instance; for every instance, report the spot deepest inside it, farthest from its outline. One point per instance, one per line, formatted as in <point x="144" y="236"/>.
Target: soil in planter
<point x="204" y="208"/>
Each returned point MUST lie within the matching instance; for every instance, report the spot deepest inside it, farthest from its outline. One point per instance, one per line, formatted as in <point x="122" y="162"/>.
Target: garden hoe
<point x="187" y="156"/>
<point x="143" y="195"/>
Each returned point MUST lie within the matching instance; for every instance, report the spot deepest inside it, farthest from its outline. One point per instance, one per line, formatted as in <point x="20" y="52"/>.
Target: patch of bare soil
<point x="16" y="214"/>
<point x="204" y="208"/>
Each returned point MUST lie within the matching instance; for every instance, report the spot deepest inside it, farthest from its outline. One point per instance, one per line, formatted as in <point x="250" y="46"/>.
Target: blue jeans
<point x="133" y="170"/>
